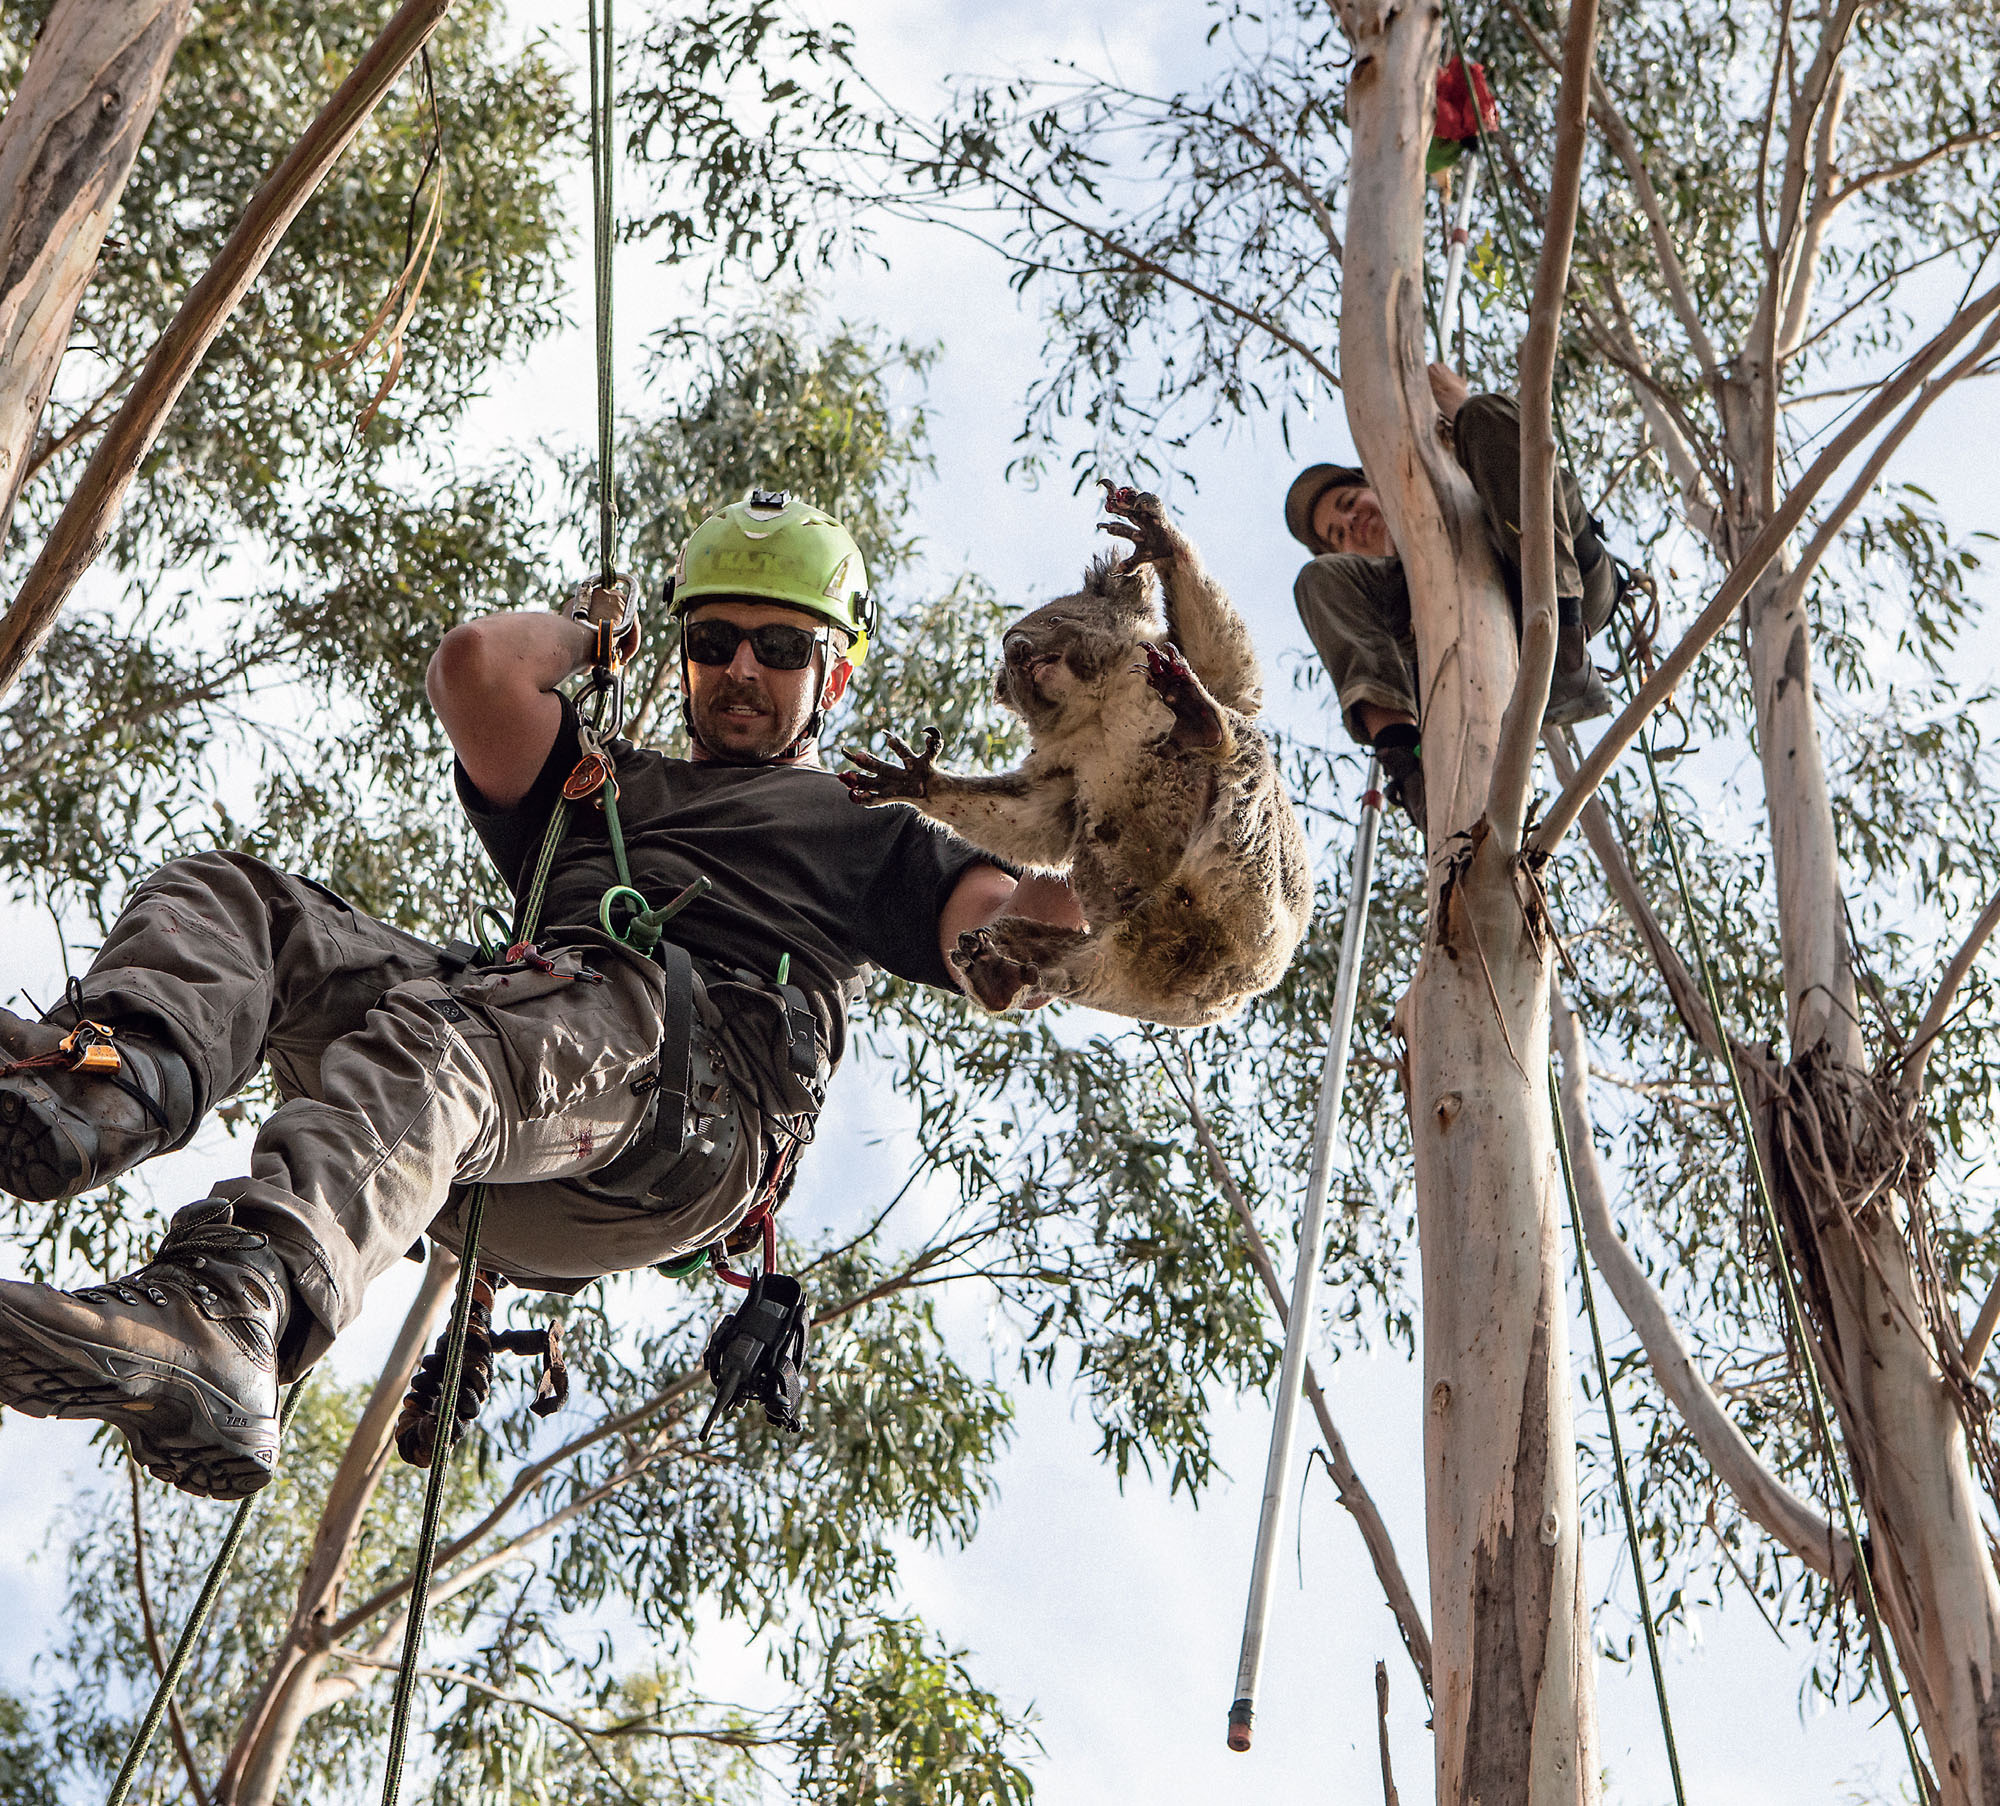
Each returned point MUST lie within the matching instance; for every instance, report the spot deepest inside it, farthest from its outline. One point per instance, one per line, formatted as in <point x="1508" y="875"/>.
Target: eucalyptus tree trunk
<point x="1847" y="1166"/>
<point x="1512" y="1662"/>
<point x="67" y="144"/>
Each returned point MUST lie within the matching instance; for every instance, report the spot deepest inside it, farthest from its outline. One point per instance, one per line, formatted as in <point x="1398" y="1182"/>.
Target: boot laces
<point x="179" y="1263"/>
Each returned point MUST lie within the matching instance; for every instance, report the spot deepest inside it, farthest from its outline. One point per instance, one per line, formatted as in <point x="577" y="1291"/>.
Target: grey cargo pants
<point x="399" y="1081"/>
<point x="1357" y="609"/>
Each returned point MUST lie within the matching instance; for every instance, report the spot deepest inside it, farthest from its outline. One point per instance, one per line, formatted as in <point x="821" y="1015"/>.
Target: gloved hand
<point x="613" y="606"/>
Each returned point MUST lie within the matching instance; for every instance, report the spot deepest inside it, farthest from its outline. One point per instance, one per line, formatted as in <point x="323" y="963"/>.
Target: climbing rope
<point x="197" y="1622"/>
<point x="602" y="237"/>
<point x="1795" y="1315"/>
<point x="433" y="1518"/>
<point x="1625" y="1504"/>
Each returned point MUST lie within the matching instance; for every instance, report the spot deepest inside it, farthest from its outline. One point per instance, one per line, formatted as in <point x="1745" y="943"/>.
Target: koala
<point x="1147" y="785"/>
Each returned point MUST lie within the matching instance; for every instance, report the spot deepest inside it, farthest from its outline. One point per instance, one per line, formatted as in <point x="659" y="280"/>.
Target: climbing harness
<point x="1787" y="1286"/>
<point x="197" y="1622"/>
<point x="1305" y="1277"/>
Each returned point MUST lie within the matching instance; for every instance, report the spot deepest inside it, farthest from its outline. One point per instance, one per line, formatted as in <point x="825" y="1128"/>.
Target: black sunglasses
<point x="775" y="646"/>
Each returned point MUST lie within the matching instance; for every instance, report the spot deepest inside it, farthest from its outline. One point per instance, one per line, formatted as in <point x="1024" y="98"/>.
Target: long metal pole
<point x="1454" y="263"/>
<point x="1305" y="1280"/>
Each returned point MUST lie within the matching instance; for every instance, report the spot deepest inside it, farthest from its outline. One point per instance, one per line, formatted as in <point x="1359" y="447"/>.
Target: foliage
<point x="288" y="578"/>
<point x="26" y="1774"/>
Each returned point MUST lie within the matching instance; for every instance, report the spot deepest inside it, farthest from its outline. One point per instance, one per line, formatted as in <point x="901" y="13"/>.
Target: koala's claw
<point x="1166" y="670"/>
<point x="1198" y="722"/>
<point x="1153" y="541"/>
<point x="998" y="982"/>
<point x="877" y="781"/>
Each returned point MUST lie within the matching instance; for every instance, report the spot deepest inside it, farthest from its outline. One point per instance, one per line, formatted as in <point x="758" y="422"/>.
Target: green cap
<point x="770" y="547"/>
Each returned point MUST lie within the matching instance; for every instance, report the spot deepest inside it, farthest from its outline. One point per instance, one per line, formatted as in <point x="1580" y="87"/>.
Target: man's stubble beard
<point x="721" y="734"/>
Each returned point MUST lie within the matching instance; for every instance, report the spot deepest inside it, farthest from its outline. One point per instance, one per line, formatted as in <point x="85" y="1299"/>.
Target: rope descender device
<point x="758" y="1351"/>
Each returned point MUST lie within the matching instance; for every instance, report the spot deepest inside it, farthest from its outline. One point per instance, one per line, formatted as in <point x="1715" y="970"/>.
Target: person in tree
<point x="1355" y="602"/>
<point x="625" y="1110"/>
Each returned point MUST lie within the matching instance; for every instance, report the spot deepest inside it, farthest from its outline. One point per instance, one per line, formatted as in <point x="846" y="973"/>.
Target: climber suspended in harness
<point x="768" y="549"/>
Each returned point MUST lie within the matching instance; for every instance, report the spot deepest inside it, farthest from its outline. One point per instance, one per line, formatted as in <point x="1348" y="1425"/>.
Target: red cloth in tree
<point x="1455" y="120"/>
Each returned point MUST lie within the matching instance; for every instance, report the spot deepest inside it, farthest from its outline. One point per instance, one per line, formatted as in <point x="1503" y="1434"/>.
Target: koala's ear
<point x="1124" y="589"/>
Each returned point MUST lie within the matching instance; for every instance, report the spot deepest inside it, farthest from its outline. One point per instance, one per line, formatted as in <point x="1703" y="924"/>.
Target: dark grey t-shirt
<point x="796" y="865"/>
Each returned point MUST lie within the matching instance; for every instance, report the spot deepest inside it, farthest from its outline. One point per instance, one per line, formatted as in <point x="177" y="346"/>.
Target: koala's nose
<point x="1017" y="648"/>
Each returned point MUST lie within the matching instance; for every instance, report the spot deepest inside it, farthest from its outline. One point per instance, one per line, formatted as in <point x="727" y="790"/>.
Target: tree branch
<point x="1521" y="726"/>
<point x="154" y="1647"/>
<point x="1788" y="272"/>
<point x="1909" y="166"/>
<point x="524" y="1483"/>
<point x="264" y="1739"/>
<point x="1132" y="259"/>
<point x="1932" y="1025"/>
<point x="1618" y="134"/>
<point x="1389" y="1796"/>
<point x="1764" y="1498"/>
<point x="1879" y="454"/>
<point x="1826" y="203"/>
<point x="1623" y="883"/>
<point x="85" y="522"/>
<point x="1690" y="459"/>
<point x="586" y="1735"/>
<point x="1761" y="550"/>
<point x="1346" y="1478"/>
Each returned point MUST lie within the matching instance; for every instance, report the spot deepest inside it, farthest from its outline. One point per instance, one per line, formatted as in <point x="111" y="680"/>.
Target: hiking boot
<point x="79" y="1106"/>
<point x="181" y="1356"/>
<point x="1576" y="696"/>
<point x="1403" y="780"/>
<point x="1570" y="635"/>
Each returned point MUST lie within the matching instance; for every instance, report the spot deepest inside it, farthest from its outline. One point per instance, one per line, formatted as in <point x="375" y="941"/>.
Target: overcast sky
<point x="1116" y="1614"/>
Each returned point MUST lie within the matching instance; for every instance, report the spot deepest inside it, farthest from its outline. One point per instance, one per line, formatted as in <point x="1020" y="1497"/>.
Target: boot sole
<point x="39" y="1160"/>
<point x="182" y="1430"/>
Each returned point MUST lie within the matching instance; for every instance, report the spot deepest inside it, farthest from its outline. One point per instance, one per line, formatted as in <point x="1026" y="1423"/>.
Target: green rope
<point x="1617" y="1445"/>
<point x="602" y="234"/>
<point x="1822" y="1420"/>
<point x="616" y="830"/>
<point x="427" y="1535"/>
<point x="530" y="916"/>
<point x="211" y="1590"/>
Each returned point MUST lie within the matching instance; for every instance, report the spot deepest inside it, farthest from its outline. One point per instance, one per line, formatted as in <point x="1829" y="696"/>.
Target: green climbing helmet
<point x="771" y="547"/>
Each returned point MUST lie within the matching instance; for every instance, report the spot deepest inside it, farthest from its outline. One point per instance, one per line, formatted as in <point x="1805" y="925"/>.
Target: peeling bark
<point x="67" y="144"/>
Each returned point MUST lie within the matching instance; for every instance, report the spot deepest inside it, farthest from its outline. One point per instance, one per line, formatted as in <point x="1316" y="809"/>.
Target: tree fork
<point x="67" y="145"/>
<point x="85" y="522"/>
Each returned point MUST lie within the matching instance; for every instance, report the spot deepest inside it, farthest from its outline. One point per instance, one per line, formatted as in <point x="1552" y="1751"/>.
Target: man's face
<point x="1349" y="519"/>
<point x="748" y="711"/>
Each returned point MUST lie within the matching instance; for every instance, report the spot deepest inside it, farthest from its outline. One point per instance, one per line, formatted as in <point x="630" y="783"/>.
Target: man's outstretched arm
<point x="492" y="682"/>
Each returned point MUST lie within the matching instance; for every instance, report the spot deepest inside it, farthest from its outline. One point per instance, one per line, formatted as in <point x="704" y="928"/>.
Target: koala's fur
<point x="1148" y="785"/>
